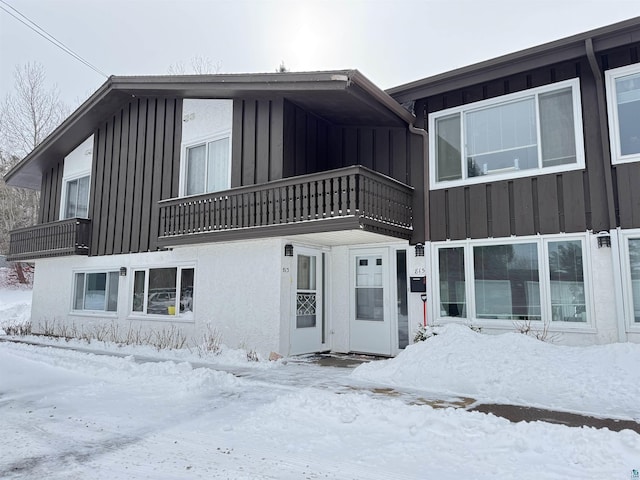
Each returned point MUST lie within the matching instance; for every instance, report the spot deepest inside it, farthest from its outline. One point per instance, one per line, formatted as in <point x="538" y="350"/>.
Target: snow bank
<point x="15" y="307"/>
<point x="398" y="440"/>
<point x="515" y="369"/>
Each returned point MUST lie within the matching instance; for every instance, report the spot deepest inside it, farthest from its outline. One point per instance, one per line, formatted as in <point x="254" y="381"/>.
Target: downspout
<point x="425" y="205"/>
<point x="608" y="183"/>
<point x="604" y="138"/>
<point x="425" y="175"/>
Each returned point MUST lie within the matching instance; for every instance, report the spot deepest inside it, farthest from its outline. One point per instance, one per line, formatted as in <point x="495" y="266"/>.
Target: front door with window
<point x="307" y="318"/>
<point x="370" y="324"/>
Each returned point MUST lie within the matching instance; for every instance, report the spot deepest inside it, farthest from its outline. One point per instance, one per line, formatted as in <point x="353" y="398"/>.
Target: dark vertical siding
<point x="50" y="193"/>
<point x="312" y="145"/>
<point x="258" y="153"/>
<point x="525" y="206"/>
<point x="136" y="164"/>
<point x="130" y="172"/>
<point x="554" y="203"/>
<point x="626" y="177"/>
<point x="572" y="201"/>
<point x="628" y="188"/>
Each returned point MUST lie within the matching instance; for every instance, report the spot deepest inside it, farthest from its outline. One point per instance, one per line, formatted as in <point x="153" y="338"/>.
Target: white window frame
<point x="627" y="286"/>
<point x="544" y="276"/>
<point x="612" y="112"/>
<point x="196" y="143"/>
<point x="170" y="318"/>
<point x="462" y="110"/>
<point x="85" y="311"/>
<point x="63" y="194"/>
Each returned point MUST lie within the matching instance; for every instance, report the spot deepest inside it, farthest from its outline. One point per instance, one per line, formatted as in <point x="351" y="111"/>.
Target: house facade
<point x="275" y="209"/>
<point x="533" y="201"/>
<point x="307" y="212"/>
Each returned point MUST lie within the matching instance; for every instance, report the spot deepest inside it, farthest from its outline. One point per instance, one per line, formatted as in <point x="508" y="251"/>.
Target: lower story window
<point x="634" y="266"/>
<point x="163" y="291"/>
<point x="536" y="280"/>
<point x="96" y="291"/>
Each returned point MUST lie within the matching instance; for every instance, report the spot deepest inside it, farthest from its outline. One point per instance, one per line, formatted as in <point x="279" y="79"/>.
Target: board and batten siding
<point x="136" y="164"/>
<point x="51" y="193"/>
<point x="311" y="145"/>
<point x="626" y="177"/>
<point x="137" y="150"/>
<point x="257" y="141"/>
<point x="572" y="201"/>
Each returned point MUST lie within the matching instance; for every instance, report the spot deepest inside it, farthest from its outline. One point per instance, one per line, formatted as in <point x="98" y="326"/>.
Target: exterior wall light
<point x="123" y="271"/>
<point x="288" y="250"/>
<point x="604" y="239"/>
<point x="419" y="250"/>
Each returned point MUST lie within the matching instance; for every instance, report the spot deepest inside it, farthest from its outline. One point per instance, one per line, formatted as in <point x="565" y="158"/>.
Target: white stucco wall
<point x="78" y="162"/>
<point x="603" y="327"/>
<point x="341" y="294"/>
<point x="235" y="292"/>
<point x="203" y="118"/>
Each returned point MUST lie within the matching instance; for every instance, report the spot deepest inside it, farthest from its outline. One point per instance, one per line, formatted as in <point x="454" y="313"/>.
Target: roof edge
<point x="85" y="106"/>
<point x="571" y="44"/>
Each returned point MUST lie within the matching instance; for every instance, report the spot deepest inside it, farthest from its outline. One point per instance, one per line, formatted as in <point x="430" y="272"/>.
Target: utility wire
<point x="47" y="36"/>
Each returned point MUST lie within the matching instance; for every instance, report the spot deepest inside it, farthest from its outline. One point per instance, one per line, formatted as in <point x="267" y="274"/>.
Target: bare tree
<point x="30" y="112"/>
<point x="27" y="116"/>
<point x="200" y="65"/>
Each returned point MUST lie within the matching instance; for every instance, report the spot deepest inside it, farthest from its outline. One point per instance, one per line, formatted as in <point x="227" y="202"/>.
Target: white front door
<point x="307" y="318"/>
<point x="370" y="323"/>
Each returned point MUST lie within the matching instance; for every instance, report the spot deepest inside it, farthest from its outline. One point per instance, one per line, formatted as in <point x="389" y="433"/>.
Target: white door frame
<point x="308" y="339"/>
<point x="367" y="336"/>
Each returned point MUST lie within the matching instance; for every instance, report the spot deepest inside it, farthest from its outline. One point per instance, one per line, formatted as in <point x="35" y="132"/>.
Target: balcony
<point x="343" y="199"/>
<point x="66" y="237"/>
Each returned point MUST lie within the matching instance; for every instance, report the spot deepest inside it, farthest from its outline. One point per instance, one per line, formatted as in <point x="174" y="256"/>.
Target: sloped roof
<point x="604" y="38"/>
<point x="343" y="97"/>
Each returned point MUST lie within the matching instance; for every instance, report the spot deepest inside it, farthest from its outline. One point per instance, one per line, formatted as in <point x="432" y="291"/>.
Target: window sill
<point x="507" y="175"/>
<point x="512" y="325"/>
<point x="625" y="160"/>
<point x="162" y="318"/>
<point x="93" y="313"/>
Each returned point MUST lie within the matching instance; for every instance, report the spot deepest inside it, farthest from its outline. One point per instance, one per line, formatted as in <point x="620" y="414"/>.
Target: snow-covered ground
<point x="66" y="414"/>
<point x="15" y="307"/>
<point x="601" y="380"/>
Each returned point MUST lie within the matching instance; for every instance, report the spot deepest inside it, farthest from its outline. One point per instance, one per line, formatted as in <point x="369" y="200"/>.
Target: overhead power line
<point x="47" y="36"/>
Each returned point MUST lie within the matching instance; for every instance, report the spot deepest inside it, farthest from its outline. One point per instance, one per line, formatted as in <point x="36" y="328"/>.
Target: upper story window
<point x="76" y="203"/>
<point x="208" y="167"/>
<point x="623" y="104"/>
<point x="206" y="146"/>
<point x="76" y="181"/>
<point x="527" y="133"/>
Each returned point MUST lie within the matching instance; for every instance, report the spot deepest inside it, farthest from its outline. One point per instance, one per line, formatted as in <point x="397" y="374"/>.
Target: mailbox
<point x="418" y="284"/>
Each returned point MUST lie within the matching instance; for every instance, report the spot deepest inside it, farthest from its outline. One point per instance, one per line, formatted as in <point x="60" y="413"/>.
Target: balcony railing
<point x="66" y="237"/>
<point x="351" y="197"/>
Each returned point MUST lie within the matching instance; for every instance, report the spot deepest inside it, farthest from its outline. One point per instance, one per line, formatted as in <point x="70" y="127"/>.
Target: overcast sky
<point x="391" y="42"/>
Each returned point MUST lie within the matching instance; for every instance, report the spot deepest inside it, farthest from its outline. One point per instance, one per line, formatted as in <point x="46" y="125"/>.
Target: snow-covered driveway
<point x="72" y="415"/>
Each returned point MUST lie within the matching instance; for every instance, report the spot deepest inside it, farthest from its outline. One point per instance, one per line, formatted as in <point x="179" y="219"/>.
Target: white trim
<point x="143" y="315"/>
<point x="63" y="194"/>
<point x="543" y="281"/>
<point x="612" y="112"/>
<point x="196" y="142"/>
<point x="89" y="271"/>
<point x="465" y="109"/>
<point x="627" y="289"/>
<point x="617" y="262"/>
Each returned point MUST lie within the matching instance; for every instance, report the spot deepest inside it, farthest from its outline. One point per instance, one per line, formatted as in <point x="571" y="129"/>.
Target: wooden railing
<point x="371" y="198"/>
<point x="65" y="237"/>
